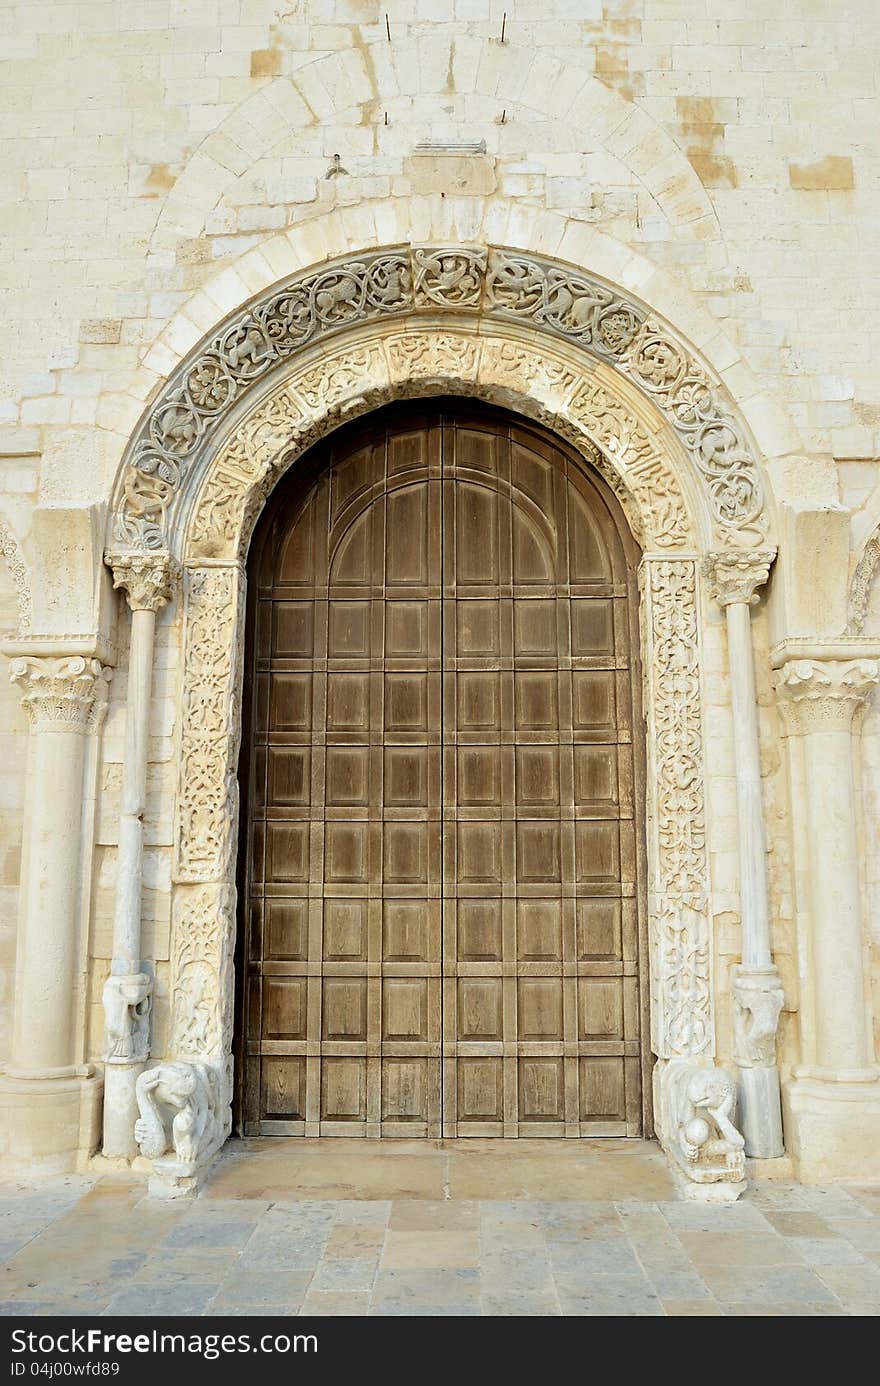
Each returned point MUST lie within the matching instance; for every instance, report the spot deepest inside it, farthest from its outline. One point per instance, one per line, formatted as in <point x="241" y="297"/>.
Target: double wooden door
<point x="441" y="885"/>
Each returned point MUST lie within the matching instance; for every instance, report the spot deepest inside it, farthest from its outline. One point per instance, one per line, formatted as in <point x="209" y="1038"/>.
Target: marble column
<point x="757" y="992"/>
<point x="147" y="581"/>
<point x="833" y="1105"/>
<point x="44" y="1082"/>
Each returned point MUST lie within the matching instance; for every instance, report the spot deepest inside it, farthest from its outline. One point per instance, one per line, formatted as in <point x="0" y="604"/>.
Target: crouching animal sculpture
<point x="179" y="1105"/>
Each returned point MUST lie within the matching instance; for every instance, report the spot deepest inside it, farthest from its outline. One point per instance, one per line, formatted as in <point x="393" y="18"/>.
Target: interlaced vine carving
<point x="680" y="968"/>
<point x="207" y="793"/>
<point x="400" y="281"/>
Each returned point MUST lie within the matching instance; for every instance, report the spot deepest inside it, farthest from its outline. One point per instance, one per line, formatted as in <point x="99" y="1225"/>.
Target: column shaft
<point x="146" y="579"/>
<point x="129" y="881"/>
<point x="750" y="811"/>
<point x="757" y="993"/>
<point x="842" y="1040"/>
<point x="43" y="1025"/>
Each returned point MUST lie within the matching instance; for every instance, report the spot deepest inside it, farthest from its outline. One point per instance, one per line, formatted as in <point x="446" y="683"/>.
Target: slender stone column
<point x="147" y="581"/>
<point x="44" y="1078"/>
<point x="757" y="992"/>
<point x="834" y="1105"/>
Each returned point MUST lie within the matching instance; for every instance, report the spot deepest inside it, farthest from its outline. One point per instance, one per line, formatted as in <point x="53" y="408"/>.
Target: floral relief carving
<point x="713" y="437"/>
<point x="620" y="434"/>
<point x="494" y="284"/>
<point x="61" y="694"/>
<point x="679" y="915"/>
<point x="203" y="980"/>
<point x="336" y="379"/>
<point x="430" y="355"/>
<point x="12" y="553"/>
<point x="207" y="794"/>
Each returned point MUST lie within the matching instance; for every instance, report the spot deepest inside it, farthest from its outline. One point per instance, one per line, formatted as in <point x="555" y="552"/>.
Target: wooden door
<point x="442" y="877"/>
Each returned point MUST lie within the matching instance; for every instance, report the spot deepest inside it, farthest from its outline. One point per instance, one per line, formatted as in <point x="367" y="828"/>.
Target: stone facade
<point x="648" y="226"/>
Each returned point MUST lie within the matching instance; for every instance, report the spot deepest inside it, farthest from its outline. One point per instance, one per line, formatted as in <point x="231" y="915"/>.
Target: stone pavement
<point x="437" y="1228"/>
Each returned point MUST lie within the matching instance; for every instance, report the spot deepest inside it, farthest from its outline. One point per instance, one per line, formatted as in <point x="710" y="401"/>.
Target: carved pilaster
<point x="61" y="694"/>
<point x="148" y="579"/>
<point x="736" y="575"/>
<point x="824" y="694"/>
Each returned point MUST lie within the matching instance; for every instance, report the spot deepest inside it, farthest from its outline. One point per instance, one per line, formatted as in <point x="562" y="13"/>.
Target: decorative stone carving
<point x="59" y="694"/>
<point x="860" y="587"/>
<point x="207" y="796"/>
<point x="127" y="1004"/>
<point x="758" y="999"/>
<point x="12" y="553"/>
<point x="824" y="694"/>
<point x="497" y="284"/>
<point x="568" y="302"/>
<point x="182" y="1122"/>
<point x="624" y="439"/>
<point x="679" y="912"/>
<point x="662" y="368"/>
<point x="431" y="356"/>
<point x="736" y="575"/>
<point x="203" y="982"/>
<point x="450" y="276"/>
<point x="146" y="578"/>
<point x="696" y="1116"/>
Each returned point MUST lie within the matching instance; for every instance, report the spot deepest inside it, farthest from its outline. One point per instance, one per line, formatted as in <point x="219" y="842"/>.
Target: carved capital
<point x="148" y="579"/>
<point x="61" y="694"/>
<point x="758" y="999"/>
<point x="824" y="694"/>
<point x="736" y="575"/>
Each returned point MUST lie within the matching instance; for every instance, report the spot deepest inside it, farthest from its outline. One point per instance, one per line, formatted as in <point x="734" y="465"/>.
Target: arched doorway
<point x="441" y="883"/>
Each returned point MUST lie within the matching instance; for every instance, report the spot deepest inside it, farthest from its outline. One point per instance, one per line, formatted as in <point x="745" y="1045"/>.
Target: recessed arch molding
<point x="479" y="284"/>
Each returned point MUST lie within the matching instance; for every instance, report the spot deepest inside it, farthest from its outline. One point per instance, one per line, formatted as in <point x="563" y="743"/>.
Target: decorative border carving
<point x="484" y="282"/>
<point x="681" y="988"/>
<point x="860" y="586"/>
<point x="9" y="547"/>
<point x="360" y="377"/>
<point x="205" y="829"/>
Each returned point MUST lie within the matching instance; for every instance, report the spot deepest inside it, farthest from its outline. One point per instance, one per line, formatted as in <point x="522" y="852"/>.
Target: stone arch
<point x="537" y="334"/>
<point x="296" y="320"/>
<point x="371" y="78"/>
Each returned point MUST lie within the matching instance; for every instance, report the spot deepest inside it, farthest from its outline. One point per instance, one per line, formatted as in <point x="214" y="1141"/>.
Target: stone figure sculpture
<point x="127" y="1003"/>
<point x="178" y="1106"/>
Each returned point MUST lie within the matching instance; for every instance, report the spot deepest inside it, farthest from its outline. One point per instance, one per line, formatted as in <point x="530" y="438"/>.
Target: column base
<point x="48" y="1126"/>
<point x="832" y="1130"/>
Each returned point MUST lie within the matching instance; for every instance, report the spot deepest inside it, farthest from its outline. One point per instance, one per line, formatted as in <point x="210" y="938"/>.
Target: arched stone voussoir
<point x="387" y="289"/>
<point x="456" y="67"/>
<point x="434" y="356"/>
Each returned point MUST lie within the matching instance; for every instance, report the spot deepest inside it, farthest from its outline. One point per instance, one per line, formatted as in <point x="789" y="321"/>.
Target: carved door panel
<point x="441" y="893"/>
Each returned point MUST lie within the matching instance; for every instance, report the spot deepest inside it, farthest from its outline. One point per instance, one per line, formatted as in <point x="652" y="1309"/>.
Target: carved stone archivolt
<point x="485" y="284"/>
<point x="352" y="380"/>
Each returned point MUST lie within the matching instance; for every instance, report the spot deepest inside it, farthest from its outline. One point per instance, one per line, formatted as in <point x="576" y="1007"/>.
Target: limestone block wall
<point x="147" y="145"/>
